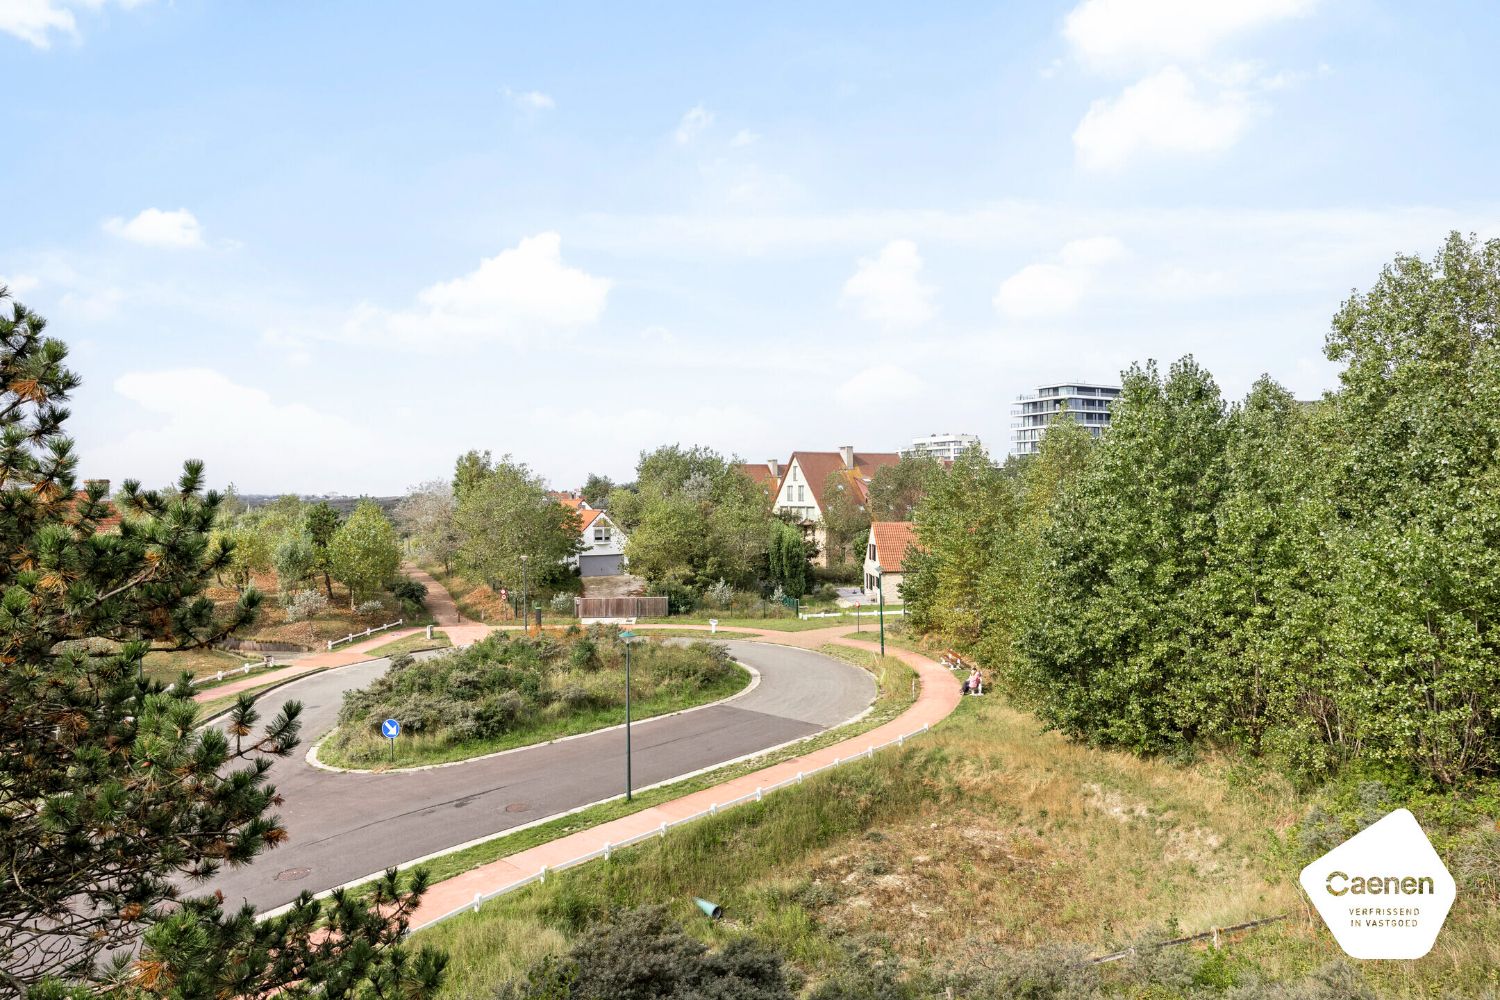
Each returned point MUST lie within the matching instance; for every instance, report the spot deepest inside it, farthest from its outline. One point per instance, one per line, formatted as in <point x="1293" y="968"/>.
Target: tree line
<point x="1315" y="582"/>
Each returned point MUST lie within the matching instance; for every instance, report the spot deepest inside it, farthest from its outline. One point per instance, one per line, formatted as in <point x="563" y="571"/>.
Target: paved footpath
<point x="938" y="698"/>
<point x="440" y="605"/>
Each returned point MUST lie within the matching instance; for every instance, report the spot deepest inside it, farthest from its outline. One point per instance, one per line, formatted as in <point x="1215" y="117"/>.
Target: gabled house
<point x="802" y="491"/>
<point x="885" y="557"/>
<point x="603" y="545"/>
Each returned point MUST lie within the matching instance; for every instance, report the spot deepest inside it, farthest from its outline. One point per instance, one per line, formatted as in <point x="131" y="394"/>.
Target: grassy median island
<point x="514" y="690"/>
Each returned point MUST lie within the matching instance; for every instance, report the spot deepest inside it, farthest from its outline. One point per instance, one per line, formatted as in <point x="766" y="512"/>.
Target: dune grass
<point x="988" y="831"/>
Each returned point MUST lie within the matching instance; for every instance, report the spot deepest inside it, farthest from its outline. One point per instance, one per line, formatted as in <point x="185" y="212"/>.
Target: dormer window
<point x="601" y="534"/>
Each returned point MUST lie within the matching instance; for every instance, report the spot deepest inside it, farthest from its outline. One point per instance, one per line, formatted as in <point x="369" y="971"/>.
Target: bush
<point x="719" y="596"/>
<point x="643" y="955"/>
<point x="504" y="685"/>
<point x="562" y="603"/>
<point x="372" y="607"/>
<point x="305" y="604"/>
<point x="408" y="591"/>
<point x="681" y="599"/>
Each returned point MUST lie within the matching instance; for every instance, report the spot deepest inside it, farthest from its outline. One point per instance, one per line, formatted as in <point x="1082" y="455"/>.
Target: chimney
<point x="775" y="466"/>
<point x="847" y="453"/>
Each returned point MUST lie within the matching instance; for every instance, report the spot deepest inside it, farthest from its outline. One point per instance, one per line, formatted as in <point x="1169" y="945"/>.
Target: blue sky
<point x="326" y="247"/>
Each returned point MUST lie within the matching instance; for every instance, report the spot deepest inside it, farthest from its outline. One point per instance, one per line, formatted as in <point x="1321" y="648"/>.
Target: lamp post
<point x="880" y="589"/>
<point x="524" y="623"/>
<point x="627" y="637"/>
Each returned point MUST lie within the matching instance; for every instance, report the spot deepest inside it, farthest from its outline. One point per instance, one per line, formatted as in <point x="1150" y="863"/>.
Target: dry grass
<point x="991" y="831"/>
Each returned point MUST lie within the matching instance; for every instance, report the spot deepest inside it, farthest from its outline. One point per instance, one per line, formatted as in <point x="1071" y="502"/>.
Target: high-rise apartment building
<point x="1087" y="404"/>
<point x="946" y="447"/>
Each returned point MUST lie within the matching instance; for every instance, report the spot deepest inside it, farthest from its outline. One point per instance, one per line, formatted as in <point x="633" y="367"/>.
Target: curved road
<point x="344" y="826"/>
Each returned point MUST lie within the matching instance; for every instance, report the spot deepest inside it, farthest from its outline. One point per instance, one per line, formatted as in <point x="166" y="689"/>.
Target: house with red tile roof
<point x="885" y="557"/>
<point x="802" y="491"/>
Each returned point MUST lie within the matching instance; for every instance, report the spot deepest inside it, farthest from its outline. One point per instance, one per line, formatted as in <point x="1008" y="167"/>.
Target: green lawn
<point x="412" y="644"/>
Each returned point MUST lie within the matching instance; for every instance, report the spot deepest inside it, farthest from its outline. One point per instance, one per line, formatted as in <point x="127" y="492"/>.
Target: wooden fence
<point x="620" y="607"/>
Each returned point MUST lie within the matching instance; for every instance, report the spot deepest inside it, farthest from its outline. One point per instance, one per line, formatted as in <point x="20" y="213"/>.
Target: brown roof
<point x="570" y="500"/>
<point x="892" y="540"/>
<point x="111" y="519"/>
<point x="587" y="517"/>
<point x="817" y="466"/>
<point x="760" y="475"/>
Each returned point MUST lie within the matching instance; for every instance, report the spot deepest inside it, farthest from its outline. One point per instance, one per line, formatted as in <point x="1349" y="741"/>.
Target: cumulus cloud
<point x="1054" y="288"/>
<point x="889" y="289"/>
<point x="523" y="290"/>
<point x="530" y="100"/>
<point x="37" y="21"/>
<point x="744" y="137"/>
<point x="156" y="228"/>
<point x="695" y="121"/>
<point x="881" y="383"/>
<point x="1163" y="114"/>
<point x="237" y="430"/>
<point x="1112" y="32"/>
<point x="19" y="284"/>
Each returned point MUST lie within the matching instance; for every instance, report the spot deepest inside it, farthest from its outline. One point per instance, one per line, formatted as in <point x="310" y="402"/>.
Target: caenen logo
<point x="1391" y="859"/>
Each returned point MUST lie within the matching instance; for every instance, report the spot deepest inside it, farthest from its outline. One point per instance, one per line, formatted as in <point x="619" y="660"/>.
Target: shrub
<point x="562" y="603"/>
<point x="643" y="955"/>
<point x="681" y="599"/>
<point x="305" y="604"/>
<point x="720" y="595"/>
<point x="368" y="608"/>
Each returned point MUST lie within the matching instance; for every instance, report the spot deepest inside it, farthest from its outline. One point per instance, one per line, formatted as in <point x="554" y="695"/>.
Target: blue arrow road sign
<point x="390" y="729"/>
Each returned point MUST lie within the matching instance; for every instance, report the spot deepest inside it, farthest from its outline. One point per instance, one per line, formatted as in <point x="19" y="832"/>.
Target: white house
<point x="801" y="490"/>
<point x="603" y="545"/>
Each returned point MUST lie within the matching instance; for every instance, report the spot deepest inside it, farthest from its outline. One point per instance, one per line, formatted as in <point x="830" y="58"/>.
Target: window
<point x="802" y="493"/>
<point x="870" y="553"/>
<point x="601" y="534"/>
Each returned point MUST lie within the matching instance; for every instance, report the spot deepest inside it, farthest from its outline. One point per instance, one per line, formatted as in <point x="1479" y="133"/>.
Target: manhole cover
<point x="517" y="807"/>
<point x="293" y="874"/>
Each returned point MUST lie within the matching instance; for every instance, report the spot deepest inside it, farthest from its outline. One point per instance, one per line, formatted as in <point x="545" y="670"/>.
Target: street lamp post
<point x="627" y="637"/>
<point x="880" y="589"/>
<point x="524" y="623"/>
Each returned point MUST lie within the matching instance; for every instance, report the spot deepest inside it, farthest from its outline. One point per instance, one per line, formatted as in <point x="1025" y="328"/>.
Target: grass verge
<point x="412" y="644"/>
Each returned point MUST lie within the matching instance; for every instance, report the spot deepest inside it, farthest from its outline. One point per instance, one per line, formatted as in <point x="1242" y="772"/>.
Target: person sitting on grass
<point x="975" y="683"/>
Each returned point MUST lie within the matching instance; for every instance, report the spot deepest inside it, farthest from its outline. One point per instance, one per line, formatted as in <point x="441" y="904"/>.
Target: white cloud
<point x="530" y="100"/>
<point x="889" y="289"/>
<point x="20" y="284"/>
<point x="156" y="228"/>
<point x="36" y="21"/>
<point x="517" y="292"/>
<point x="880" y="384"/>
<point x="1163" y="113"/>
<point x="1105" y="32"/>
<point x="744" y="137"/>
<point x="1055" y="288"/>
<point x="695" y="121"/>
<point x="237" y="430"/>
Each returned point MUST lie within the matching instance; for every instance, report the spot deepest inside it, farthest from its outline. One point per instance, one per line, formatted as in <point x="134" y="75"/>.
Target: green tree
<point x="846" y="523"/>
<point x="1416" y="513"/>
<point x="788" y="559"/>
<point x="364" y="554"/>
<point x="471" y="469"/>
<point x="252" y="550"/>
<point x="694" y="519"/>
<point x="1113" y="633"/>
<point x="507" y="515"/>
<point x="596" y="490"/>
<point x="111" y="801"/>
<point x="295" y="561"/>
<point x="897" y="490"/>
<point x="321" y="523"/>
<point x="426" y="516"/>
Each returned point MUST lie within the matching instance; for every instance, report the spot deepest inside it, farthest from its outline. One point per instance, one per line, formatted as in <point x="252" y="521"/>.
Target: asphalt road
<point x="344" y="826"/>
